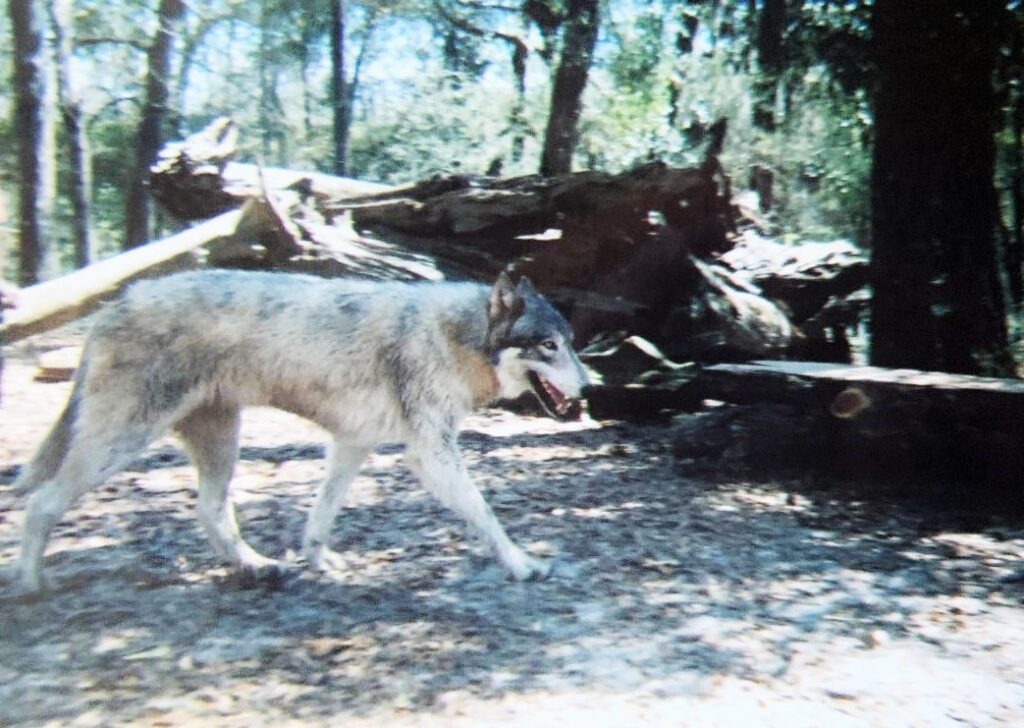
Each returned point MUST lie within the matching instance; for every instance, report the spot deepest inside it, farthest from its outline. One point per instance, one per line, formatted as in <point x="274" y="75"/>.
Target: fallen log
<point x="50" y="304"/>
<point x="804" y="276"/>
<point x="260" y="235"/>
<point x="889" y="399"/>
<point x="459" y="204"/>
<point x="58" y="365"/>
<point x="196" y="178"/>
<point x="566" y="228"/>
<point x="634" y="251"/>
<point x="891" y="425"/>
<point x="653" y="402"/>
<point x="631" y="379"/>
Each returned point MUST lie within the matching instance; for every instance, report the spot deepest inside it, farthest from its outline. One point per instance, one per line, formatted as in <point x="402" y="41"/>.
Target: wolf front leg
<point x="343" y="465"/>
<point x="210" y="437"/>
<point x="443" y="473"/>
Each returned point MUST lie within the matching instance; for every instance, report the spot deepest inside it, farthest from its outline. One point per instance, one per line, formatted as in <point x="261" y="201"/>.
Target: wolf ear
<point x="506" y="299"/>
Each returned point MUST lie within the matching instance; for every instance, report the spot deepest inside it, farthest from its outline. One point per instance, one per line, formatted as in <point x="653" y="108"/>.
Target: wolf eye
<point x="549" y="345"/>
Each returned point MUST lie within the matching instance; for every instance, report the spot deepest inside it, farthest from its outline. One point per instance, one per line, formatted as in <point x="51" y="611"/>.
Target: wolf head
<point x="530" y="347"/>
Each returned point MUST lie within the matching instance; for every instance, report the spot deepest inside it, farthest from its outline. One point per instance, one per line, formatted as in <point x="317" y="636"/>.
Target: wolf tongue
<point x="557" y="398"/>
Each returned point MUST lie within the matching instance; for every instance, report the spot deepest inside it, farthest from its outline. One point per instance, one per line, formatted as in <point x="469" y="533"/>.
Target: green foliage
<point x="821" y="159"/>
<point x="639" y="53"/>
<point x="413" y="133"/>
<point x="113" y="144"/>
<point x="819" y="155"/>
<point x="433" y="97"/>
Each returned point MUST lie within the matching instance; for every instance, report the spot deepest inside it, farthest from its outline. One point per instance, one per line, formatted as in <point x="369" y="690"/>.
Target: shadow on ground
<point x="664" y="584"/>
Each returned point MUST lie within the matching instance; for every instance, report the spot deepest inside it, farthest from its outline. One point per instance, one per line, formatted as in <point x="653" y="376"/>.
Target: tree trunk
<point x="340" y="99"/>
<point x="71" y="113"/>
<point x="272" y="123"/>
<point x="517" y="117"/>
<point x="374" y="14"/>
<point x="262" y="62"/>
<point x="190" y="43"/>
<point x="937" y="297"/>
<point x="771" y="30"/>
<point x="579" y="39"/>
<point x="309" y="35"/>
<point x="28" y="83"/>
<point x="771" y="53"/>
<point x="154" y="111"/>
<point x="48" y="154"/>
<point x="1015" y="252"/>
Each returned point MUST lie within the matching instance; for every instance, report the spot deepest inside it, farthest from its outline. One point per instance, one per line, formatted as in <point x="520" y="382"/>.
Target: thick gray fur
<point x="369" y="362"/>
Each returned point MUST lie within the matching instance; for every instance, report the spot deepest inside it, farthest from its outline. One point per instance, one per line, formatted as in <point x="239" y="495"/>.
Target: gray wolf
<point x="369" y="362"/>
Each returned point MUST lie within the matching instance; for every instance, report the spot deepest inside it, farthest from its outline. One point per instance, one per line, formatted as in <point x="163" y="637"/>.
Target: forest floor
<point x="680" y="597"/>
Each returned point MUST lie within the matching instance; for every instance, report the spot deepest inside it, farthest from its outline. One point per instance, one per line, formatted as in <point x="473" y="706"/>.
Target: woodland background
<point x="895" y="124"/>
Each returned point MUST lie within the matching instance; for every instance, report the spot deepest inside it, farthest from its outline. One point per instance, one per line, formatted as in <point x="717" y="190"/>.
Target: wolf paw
<point x="247" y="559"/>
<point x="267" y="574"/>
<point x="15" y="588"/>
<point x="321" y="558"/>
<point x="528" y="568"/>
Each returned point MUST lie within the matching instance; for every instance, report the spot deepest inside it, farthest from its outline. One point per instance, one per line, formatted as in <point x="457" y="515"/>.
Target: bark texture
<point x="938" y="302"/>
<point x="580" y="37"/>
<point x="26" y="29"/>
<point x="154" y="111"/>
<point x="74" y="129"/>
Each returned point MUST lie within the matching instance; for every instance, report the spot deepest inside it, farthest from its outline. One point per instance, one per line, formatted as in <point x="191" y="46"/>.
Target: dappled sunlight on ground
<point x="677" y="597"/>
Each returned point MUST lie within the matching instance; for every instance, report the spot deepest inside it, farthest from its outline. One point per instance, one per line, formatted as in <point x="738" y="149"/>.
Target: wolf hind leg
<point x="343" y="465"/>
<point x="210" y="437"/>
<point x="52" y="451"/>
<point x="442" y="472"/>
<point x="93" y="455"/>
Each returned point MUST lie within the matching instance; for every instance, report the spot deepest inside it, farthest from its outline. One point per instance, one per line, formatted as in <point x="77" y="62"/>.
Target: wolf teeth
<point x="553" y="399"/>
<point x="562" y="403"/>
<point x="557" y="398"/>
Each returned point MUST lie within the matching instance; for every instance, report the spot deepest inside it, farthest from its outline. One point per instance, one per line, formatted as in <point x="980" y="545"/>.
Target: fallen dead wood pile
<point x="636" y="252"/>
<point x="649" y="270"/>
<point x="821" y="284"/>
<point x="650" y="252"/>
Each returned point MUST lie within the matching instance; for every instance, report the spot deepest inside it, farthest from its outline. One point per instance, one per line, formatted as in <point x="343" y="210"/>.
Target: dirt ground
<point x="680" y="597"/>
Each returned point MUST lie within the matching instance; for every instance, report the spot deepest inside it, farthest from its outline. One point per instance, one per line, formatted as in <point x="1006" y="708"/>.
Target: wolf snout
<point x="561" y="400"/>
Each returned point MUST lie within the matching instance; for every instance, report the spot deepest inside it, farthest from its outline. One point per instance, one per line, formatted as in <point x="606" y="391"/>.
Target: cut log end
<point x="849" y="403"/>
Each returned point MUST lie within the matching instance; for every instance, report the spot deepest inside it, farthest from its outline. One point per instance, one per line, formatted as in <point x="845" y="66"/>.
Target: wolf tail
<point x="51" y="453"/>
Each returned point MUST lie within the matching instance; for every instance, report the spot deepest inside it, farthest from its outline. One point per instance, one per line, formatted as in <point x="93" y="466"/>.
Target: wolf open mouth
<point x="550" y="396"/>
